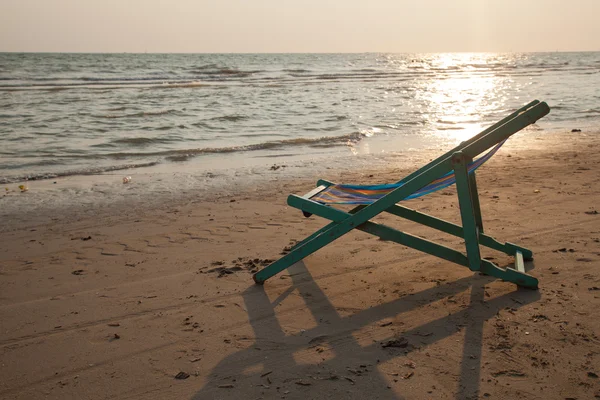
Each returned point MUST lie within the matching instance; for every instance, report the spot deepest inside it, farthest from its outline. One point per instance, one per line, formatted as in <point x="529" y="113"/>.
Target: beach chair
<point x="456" y="166"/>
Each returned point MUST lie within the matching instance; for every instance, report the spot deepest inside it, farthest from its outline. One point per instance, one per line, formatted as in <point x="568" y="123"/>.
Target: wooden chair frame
<point x="471" y="231"/>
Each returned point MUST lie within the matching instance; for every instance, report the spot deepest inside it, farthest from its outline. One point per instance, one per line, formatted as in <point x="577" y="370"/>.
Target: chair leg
<point x="467" y="210"/>
<point x="475" y="201"/>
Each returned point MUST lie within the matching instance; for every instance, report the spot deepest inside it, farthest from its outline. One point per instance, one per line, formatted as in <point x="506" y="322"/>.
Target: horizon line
<point x="300" y="52"/>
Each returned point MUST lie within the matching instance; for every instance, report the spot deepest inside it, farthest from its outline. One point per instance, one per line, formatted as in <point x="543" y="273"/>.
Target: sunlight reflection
<point x="457" y="101"/>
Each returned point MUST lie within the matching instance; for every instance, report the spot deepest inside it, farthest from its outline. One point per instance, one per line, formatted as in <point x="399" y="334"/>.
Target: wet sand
<point x="160" y="303"/>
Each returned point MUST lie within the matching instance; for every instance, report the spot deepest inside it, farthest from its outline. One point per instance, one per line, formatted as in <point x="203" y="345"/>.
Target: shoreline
<point x="150" y="188"/>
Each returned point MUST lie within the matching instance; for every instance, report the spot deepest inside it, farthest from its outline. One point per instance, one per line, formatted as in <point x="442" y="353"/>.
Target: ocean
<point x="81" y="114"/>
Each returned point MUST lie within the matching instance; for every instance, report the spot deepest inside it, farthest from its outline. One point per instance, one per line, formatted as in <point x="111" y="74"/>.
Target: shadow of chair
<point x="278" y="374"/>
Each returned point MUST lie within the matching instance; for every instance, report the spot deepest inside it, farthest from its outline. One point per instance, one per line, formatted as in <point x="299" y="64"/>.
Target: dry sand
<point x="119" y="306"/>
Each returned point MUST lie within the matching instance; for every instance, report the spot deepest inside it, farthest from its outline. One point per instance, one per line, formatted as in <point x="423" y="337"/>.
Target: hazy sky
<point x="298" y="26"/>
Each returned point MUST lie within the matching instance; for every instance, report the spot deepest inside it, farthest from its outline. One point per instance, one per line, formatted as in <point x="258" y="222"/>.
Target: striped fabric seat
<point x="367" y="194"/>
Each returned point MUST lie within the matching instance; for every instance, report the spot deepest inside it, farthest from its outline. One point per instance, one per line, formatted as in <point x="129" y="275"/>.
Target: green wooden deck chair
<point x="456" y="166"/>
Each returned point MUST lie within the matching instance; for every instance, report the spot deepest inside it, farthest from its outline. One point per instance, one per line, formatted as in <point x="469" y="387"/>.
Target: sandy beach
<point x="159" y="303"/>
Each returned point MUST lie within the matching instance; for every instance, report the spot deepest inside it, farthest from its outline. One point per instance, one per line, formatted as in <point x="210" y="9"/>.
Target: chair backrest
<point x="442" y="166"/>
<point x="471" y="140"/>
<point x="469" y="149"/>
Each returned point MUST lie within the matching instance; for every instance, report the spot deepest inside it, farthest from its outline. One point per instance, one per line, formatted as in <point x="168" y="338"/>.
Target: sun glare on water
<point x="457" y="101"/>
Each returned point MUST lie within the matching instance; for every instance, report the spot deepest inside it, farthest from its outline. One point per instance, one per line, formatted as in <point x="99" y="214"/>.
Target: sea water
<point x="78" y="114"/>
<point x="121" y="134"/>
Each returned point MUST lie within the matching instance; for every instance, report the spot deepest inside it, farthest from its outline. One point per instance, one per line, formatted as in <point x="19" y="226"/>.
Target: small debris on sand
<point x="400" y="342"/>
<point x="86" y="238"/>
<point x="182" y="375"/>
<point x="239" y="264"/>
<point x="511" y="372"/>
